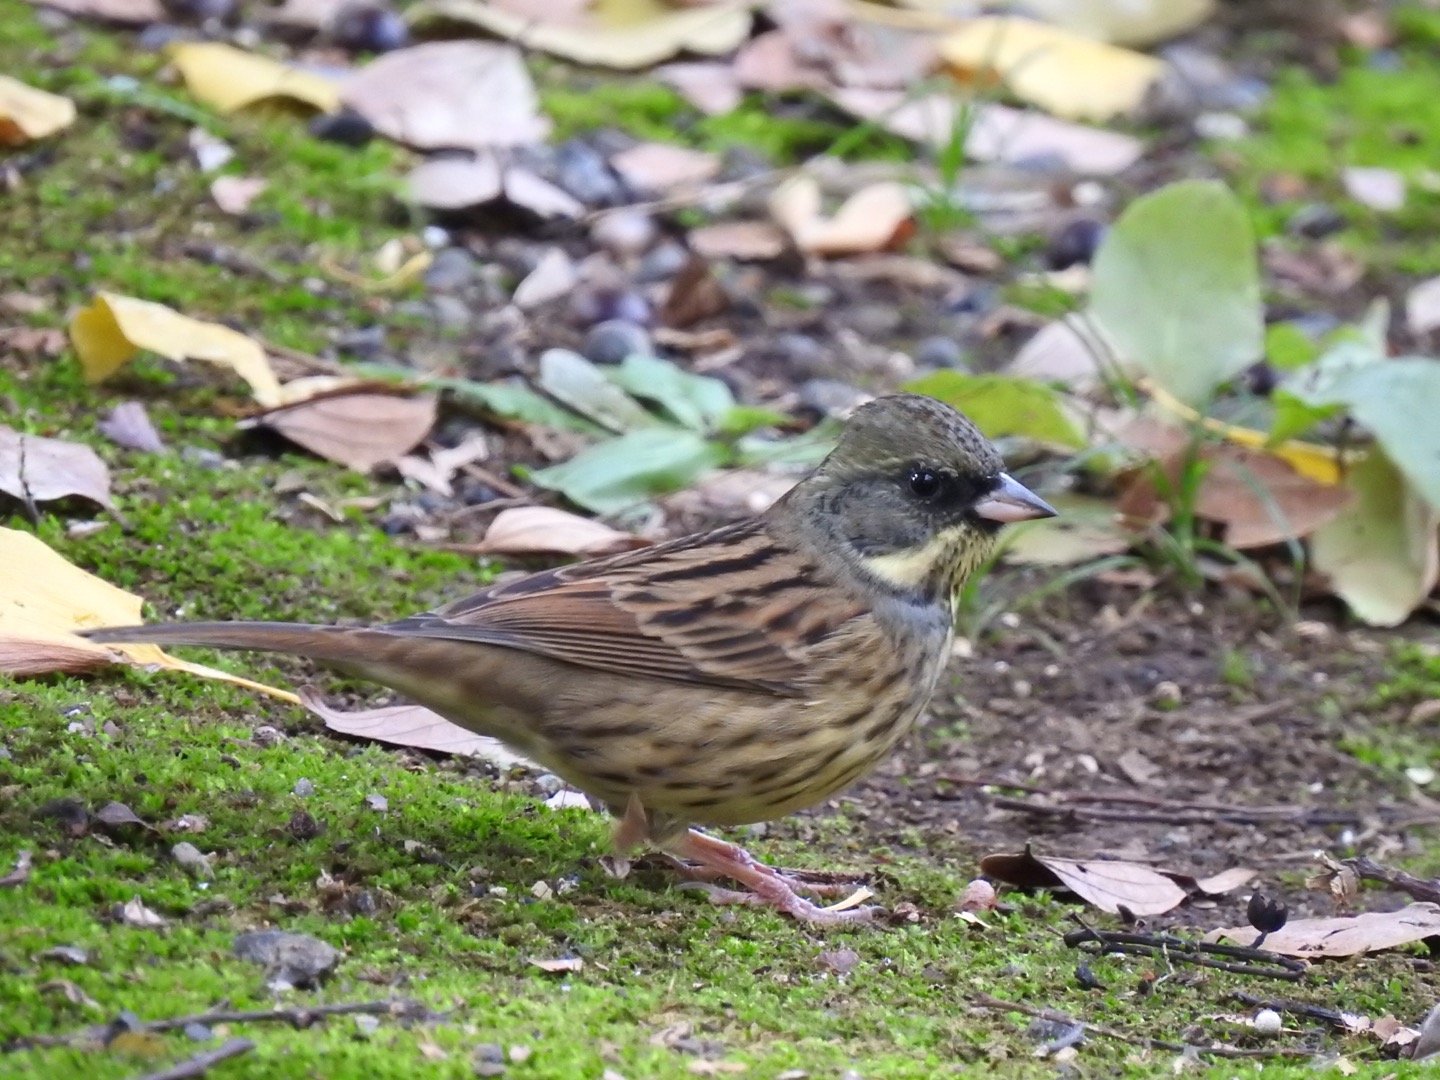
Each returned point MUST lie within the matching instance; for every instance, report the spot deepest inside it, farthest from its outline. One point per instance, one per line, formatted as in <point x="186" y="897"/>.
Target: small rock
<point x="452" y="269"/>
<point x="1315" y="221"/>
<point x="596" y="304"/>
<point x="196" y="1032"/>
<point x="303" y="788"/>
<point x="489" y="1068"/>
<point x="830" y="397"/>
<point x="492" y="1052"/>
<point x="346" y="127"/>
<point x="613" y="341"/>
<point x="192" y="860"/>
<point x="1267" y="1022"/>
<point x="434" y="237"/>
<point x="66" y="954"/>
<point x="362" y="343"/>
<point x="661" y="263"/>
<point x="368" y="27"/>
<point x="803" y="354"/>
<point x="1075" y="244"/>
<point x="202" y="456"/>
<point x="625" y="233"/>
<point x="941" y="352"/>
<point x="292" y="961"/>
<point x="450" y="312"/>
<point x="367" y="1025"/>
<point x="1166" y="695"/>
<point x="583" y="171"/>
<point x="377" y="803"/>
<point x="1379" y="189"/>
<point x="267" y="736"/>
<point x="1221" y="126"/>
<point x="549" y="783"/>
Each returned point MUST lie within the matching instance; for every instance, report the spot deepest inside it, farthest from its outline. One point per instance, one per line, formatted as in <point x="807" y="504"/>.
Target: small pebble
<point x="491" y="1052"/>
<point x="1267" y="1022"/>
<point x="192" y="860"/>
<point x="267" y="736"/>
<point x="198" y="1032"/>
<point x="614" y="340"/>
<point x="941" y="352"/>
<point x="364" y="27"/>
<point x="1075" y="244"/>
<point x="549" y="783"/>
<point x="303" y="788"/>
<point x="362" y="343"/>
<point x="377" y="803"/>
<point x="203" y="457"/>
<point x="602" y="304"/>
<point x="583" y="171"/>
<point x="346" y="127"/>
<point x="367" y="1025"/>
<point x="661" y="263"/>
<point x="453" y="268"/>
<point x="830" y="397"/>
<point x="625" y="233"/>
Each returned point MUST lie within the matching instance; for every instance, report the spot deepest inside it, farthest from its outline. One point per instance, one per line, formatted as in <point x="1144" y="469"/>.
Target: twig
<point x="200" y="1064"/>
<point x="299" y="1016"/>
<point x="1055" y="1016"/>
<point x="1189" y="952"/>
<point x="1332" y="1017"/>
<point x="686" y="199"/>
<point x="1419" y="888"/>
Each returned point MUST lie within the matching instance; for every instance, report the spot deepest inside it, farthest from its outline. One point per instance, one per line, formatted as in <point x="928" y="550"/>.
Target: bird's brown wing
<point x="731" y="608"/>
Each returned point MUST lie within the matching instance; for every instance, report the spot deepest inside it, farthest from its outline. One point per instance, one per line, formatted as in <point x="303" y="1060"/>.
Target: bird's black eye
<point x="924" y="483"/>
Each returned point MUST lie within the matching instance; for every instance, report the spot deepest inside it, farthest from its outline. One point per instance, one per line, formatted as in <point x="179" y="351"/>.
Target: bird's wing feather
<point x="732" y="608"/>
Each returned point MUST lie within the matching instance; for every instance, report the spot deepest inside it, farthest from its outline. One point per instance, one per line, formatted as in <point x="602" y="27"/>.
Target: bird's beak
<point x="1012" y="501"/>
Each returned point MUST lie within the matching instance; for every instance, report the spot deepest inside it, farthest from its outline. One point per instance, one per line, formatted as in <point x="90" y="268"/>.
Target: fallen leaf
<point x="695" y="294"/>
<point x="1349" y="935"/>
<point x="1381" y="558"/>
<point x="744" y="240"/>
<point x="459" y="184"/>
<point x="21" y="872"/>
<point x="359" y="429"/>
<point x="554" y="276"/>
<point x="1062" y="72"/>
<point x="1109" y="886"/>
<point x="1379" y="189"/>
<point x="412" y="726"/>
<point x="1261" y="500"/>
<point x="128" y="425"/>
<point x="35" y="470"/>
<point x="1069" y="351"/>
<point x="546" y="530"/>
<point x="449" y="94"/>
<point x="134" y="913"/>
<point x="560" y="965"/>
<point x="123" y="12"/>
<point x="229" y="79"/>
<point x="234" y="194"/>
<point x="43" y="598"/>
<point x="993" y="133"/>
<point x="664" y="169"/>
<point x="709" y="85"/>
<point x="1086" y="528"/>
<point x="1124" y="22"/>
<point x="1393" y="1033"/>
<point x="624" y="34"/>
<point x="27" y="114"/>
<point x="872" y="219"/>
<point x="114" y="328"/>
<point x="116" y="815"/>
<point x="1226" y="881"/>
<point x="436" y="471"/>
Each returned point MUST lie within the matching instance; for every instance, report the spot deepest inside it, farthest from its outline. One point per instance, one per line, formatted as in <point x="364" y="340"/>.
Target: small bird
<point x="724" y="678"/>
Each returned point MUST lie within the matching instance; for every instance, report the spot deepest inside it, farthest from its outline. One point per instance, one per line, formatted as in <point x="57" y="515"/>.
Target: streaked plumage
<point x="723" y="678"/>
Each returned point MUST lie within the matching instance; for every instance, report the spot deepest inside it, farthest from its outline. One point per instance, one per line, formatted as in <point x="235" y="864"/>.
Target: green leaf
<point x="632" y="468"/>
<point x="514" y="402"/>
<point x="698" y="402"/>
<point x="1288" y="347"/>
<point x="806" y="450"/>
<point x="1005" y="405"/>
<point x="1176" y="288"/>
<point x="1379" y="555"/>
<point x="1293" y="417"/>
<point x="743" y="419"/>
<point x="1399" y="402"/>
<point x="570" y="378"/>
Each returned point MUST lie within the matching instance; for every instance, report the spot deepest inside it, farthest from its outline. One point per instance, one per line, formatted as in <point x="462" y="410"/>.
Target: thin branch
<point x="201" y="1063"/>
<point x="1265" y="964"/>
<point x="1055" y="1016"/>
<point x="1399" y="880"/>
<point x="1333" y="1017"/>
<point x="299" y="1016"/>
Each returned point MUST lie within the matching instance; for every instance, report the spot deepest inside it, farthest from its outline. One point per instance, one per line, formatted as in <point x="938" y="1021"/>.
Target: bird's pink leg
<point x="766" y="886"/>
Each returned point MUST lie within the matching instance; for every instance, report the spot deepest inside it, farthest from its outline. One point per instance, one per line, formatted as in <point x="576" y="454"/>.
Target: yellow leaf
<point x="43" y="599"/>
<point x="112" y="329"/>
<point x="1063" y="73"/>
<point x="229" y="79"/>
<point x="625" y="34"/>
<point x="27" y="113"/>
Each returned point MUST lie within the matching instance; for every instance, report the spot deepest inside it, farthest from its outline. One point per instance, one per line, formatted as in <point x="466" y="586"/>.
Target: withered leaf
<point x="128" y="425"/>
<point x="1349" y="935"/>
<point x="545" y="530"/>
<point x="694" y="294"/>
<point x="1109" y="886"/>
<point x="413" y="726"/>
<point x="563" y="964"/>
<point x="35" y="469"/>
<point x="356" y="428"/>
<point x="115" y="815"/>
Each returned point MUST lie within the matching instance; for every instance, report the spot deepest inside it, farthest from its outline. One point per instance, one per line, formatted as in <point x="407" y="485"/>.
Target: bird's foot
<point x="705" y="858"/>
<point x="821" y="883"/>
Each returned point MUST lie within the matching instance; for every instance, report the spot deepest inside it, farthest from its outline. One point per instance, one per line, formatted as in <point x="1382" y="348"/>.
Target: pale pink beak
<point x="1012" y="501"/>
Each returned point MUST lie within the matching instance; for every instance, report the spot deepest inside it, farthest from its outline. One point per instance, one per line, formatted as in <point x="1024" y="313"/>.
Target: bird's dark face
<point x="915" y="494"/>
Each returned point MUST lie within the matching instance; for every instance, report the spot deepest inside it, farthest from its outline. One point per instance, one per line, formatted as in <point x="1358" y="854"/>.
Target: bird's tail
<point x="341" y="645"/>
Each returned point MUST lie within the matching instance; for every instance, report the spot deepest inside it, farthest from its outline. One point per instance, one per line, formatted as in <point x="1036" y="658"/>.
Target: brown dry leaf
<point x="45" y="340"/>
<point x="1349" y="935"/>
<point x="43" y="599"/>
<point x="1065" y="74"/>
<point x="35" y="470"/>
<point x="663" y="169"/>
<point x="456" y="184"/>
<point x="356" y="428"/>
<point x="545" y="530"/>
<point x="745" y="240"/>
<point x="114" y="328"/>
<point x="874" y="218"/>
<point x="995" y="133"/>
<point x="709" y="85"/>
<point x="694" y="295"/>
<point x="447" y="94"/>
<point x="412" y="726"/>
<point x="1066" y="351"/>
<point x="624" y="34"/>
<point x="21" y="872"/>
<point x="559" y="965"/>
<point x="1226" y="881"/>
<point x="27" y="114"/>
<point x="234" y="194"/>
<point x="128" y="425"/>
<point x="229" y="79"/>
<point x="1261" y="500"/>
<point x="1109" y="886"/>
<point x="443" y="463"/>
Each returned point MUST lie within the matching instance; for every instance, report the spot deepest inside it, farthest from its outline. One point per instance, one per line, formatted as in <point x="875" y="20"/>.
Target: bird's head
<point x="914" y="495"/>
